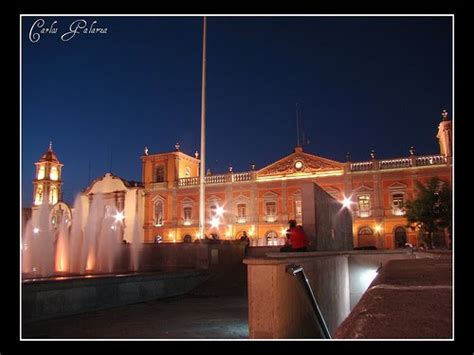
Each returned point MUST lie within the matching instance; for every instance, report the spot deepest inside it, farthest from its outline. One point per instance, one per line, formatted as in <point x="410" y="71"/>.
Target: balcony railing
<point x="217" y="179"/>
<point x="399" y="163"/>
<point x="360" y="166"/>
<point x="395" y="163"/>
<point x="431" y="160"/>
<point x="355" y="166"/>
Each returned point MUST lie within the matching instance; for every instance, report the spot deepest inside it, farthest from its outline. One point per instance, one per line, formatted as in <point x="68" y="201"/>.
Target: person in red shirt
<point x="297" y="239"/>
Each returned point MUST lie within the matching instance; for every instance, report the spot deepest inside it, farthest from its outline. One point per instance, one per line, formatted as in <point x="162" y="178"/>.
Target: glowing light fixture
<point x="346" y="203"/>
<point x="378" y="228"/>
<point x="215" y="223"/>
<point x="219" y="211"/>
<point x="119" y="217"/>
<point x="36" y="230"/>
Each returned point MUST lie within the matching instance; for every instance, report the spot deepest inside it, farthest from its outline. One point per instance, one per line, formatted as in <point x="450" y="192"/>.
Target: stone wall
<point x="279" y="307"/>
<point x="325" y="221"/>
<point x="51" y="299"/>
<point x="165" y="270"/>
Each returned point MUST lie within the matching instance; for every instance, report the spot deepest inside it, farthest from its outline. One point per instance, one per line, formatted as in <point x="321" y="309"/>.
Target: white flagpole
<point x="202" y="172"/>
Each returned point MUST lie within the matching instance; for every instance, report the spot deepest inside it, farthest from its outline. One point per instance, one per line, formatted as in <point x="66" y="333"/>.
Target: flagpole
<point x="202" y="172"/>
<point x="297" y="127"/>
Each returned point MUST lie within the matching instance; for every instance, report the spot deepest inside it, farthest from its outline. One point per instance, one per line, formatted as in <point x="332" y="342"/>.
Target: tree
<point x="431" y="210"/>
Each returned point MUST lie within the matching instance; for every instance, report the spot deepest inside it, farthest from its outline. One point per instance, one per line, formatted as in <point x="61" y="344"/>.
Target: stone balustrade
<point x="431" y="160"/>
<point x="398" y="163"/>
<point x="360" y="166"/>
<point x="395" y="163"/>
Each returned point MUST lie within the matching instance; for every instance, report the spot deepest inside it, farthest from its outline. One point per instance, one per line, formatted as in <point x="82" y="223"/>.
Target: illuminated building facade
<point x="260" y="202"/>
<point x="122" y="198"/>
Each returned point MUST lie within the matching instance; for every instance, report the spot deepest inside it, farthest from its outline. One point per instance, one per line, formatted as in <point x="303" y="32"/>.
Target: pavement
<point x="215" y="310"/>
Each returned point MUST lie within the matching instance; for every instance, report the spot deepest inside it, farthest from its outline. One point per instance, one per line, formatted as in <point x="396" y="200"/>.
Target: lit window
<point x="271" y="238"/>
<point x="53" y="195"/>
<point x="53" y="174"/>
<point x="39" y="195"/>
<point x="160" y="174"/>
<point x="397" y="204"/>
<point x="41" y="173"/>
<point x="188" y="213"/>
<point x="271" y="208"/>
<point x="158" y="213"/>
<point x="364" y="205"/>
<point x="241" y="210"/>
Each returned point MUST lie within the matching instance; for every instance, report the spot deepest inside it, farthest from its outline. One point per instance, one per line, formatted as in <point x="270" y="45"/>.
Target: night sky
<point x="362" y="83"/>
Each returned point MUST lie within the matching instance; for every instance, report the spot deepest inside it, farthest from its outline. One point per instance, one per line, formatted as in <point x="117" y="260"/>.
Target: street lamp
<point x="378" y="229"/>
<point x="346" y="202"/>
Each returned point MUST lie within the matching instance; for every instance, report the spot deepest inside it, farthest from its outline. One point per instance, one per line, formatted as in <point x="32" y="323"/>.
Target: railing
<point x="431" y="160"/>
<point x="399" y="163"/>
<point x="241" y="177"/>
<point x="360" y="166"/>
<point x="188" y="181"/>
<point x="395" y="163"/>
<point x="217" y="179"/>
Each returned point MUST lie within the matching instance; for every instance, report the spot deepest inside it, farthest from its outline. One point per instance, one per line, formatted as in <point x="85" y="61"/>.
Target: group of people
<point x="296" y="241"/>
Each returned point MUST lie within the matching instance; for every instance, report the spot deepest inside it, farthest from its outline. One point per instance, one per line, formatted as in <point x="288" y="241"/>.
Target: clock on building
<point x="298" y="165"/>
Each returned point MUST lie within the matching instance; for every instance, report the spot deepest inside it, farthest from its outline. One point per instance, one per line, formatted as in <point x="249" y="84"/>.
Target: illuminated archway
<point x="366" y="237"/>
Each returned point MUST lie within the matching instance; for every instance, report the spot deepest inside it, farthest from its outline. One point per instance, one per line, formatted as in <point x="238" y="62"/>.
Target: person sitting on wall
<point x="297" y="240"/>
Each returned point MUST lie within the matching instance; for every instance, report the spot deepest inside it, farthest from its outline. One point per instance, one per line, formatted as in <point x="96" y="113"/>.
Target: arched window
<point x="39" y="195"/>
<point x="41" y="172"/>
<point x="158" y="213"/>
<point x="53" y="195"/>
<point x="400" y="237"/>
<point x="271" y="238"/>
<point x="53" y="174"/>
<point x="365" y="231"/>
<point x="366" y="237"/>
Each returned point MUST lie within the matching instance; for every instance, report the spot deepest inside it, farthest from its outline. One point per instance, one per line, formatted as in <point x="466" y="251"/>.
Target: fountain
<point x="82" y="264"/>
<point x="78" y="247"/>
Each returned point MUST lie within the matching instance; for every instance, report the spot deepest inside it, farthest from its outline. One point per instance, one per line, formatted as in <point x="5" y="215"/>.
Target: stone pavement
<point x="215" y="310"/>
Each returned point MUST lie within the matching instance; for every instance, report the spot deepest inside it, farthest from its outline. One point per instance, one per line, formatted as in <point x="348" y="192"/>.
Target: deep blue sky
<point x="362" y="82"/>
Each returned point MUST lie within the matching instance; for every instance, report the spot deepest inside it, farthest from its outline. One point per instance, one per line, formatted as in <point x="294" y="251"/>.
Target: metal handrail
<point x="294" y="270"/>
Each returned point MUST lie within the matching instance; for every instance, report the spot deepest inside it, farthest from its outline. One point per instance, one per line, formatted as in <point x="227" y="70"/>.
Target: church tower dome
<point x="47" y="183"/>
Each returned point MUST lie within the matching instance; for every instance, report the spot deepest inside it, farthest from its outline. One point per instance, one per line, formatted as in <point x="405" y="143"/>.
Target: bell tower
<point x="47" y="182"/>
<point x="445" y="135"/>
